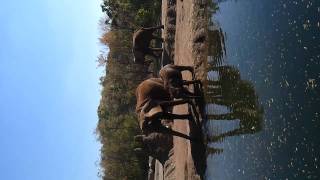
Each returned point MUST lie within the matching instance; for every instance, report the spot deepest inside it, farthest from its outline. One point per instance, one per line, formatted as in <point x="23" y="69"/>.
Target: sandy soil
<point x="190" y="48"/>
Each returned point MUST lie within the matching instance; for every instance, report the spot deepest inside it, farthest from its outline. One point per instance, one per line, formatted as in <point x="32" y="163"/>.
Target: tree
<point x="116" y="112"/>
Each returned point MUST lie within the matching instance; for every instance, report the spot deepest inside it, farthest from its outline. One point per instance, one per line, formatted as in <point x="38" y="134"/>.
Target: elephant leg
<point x="164" y="130"/>
<point x="182" y="101"/>
<point x="173" y="102"/>
<point x="175" y="133"/>
<point x="192" y="82"/>
<point x="171" y="116"/>
<point x="166" y="104"/>
<point x="185" y="93"/>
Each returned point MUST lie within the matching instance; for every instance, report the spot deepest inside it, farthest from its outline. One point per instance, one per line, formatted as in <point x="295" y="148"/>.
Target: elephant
<point x="173" y="82"/>
<point x="154" y="103"/>
<point x="141" y="43"/>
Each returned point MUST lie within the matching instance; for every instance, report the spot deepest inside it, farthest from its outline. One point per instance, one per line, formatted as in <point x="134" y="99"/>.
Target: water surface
<point x="274" y="45"/>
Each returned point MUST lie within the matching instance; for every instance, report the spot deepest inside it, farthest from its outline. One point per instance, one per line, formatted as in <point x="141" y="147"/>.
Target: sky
<point x="49" y="89"/>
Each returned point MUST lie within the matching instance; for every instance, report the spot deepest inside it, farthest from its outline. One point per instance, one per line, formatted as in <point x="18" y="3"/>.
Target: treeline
<point x="117" y="120"/>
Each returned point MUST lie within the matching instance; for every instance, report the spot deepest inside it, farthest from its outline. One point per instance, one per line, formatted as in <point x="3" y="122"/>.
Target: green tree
<point x="116" y="112"/>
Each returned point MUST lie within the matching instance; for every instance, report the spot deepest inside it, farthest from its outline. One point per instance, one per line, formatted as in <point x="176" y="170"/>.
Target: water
<point x="274" y="46"/>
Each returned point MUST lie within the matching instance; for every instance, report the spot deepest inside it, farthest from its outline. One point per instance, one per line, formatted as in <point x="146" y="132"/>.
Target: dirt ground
<point x="190" y="48"/>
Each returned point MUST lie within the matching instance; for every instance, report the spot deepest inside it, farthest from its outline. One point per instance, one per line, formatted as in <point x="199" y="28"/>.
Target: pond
<point x="263" y="90"/>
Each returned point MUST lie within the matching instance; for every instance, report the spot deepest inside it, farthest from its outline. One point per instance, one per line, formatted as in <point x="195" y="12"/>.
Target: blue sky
<point x="49" y="89"/>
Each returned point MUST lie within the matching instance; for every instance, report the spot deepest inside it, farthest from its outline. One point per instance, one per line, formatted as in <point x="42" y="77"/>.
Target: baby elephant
<point x="141" y="43"/>
<point x="173" y="82"/>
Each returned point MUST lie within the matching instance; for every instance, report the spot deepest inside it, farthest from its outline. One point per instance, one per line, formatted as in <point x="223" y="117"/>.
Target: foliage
<point x="131" y="14"/>
<point x="117" y="120"/>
